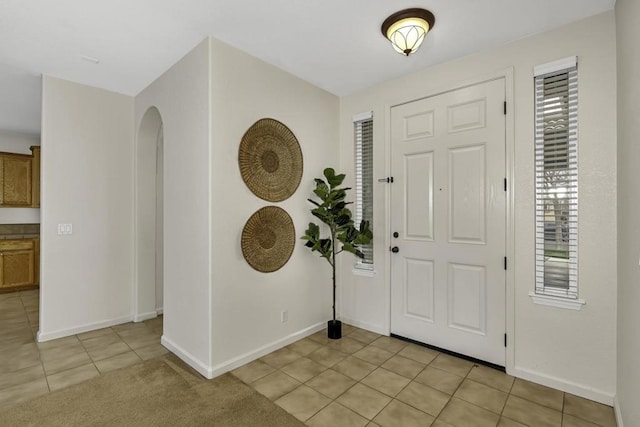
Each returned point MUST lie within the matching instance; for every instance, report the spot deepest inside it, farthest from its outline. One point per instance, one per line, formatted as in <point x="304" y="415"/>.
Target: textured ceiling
<point x="336" y="45"/>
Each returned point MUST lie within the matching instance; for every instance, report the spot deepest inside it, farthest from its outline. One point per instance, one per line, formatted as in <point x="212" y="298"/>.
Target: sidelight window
<point x="363" y="138"/>
<point x="556" y="179"/>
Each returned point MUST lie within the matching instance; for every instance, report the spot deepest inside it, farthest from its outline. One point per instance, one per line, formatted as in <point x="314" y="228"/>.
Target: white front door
<point x="448" y="208"/>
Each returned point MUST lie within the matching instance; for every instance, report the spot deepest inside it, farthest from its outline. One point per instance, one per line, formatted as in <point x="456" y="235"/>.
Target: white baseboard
<point x="618" y="411"/>
<point x="266" y="349"/>
<point x="187" y="357"/>
<point x="580" y="390"/>
<point x="144" y="316"/>
<point x="47" y="336"/>
<point x="159" y="311"/>
<point x="364" y="325"/>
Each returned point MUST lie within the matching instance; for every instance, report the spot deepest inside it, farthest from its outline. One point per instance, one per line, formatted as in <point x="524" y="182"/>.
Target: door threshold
<point x="452" y="353"/>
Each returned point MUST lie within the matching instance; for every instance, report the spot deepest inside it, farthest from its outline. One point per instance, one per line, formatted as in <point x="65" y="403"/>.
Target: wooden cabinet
<point x="20" y="179"/>
<point x="18" y="263"/>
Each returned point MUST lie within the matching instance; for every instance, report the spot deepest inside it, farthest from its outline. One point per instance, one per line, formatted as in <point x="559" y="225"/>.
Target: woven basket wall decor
<point x="268" y="239"/>
<point x="270" y="160"/>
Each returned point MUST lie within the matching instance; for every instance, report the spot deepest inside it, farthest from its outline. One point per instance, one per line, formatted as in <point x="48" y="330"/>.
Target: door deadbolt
<point x="395" y="234"/>
<point x="395" y="249"/>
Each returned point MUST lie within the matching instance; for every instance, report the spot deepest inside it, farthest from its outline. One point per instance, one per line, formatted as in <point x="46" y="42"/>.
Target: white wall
<point x="14" y="142"/>
<point x="570" y="350"/>
<point x="628" y="32"/>
<point x="246" y="303"/>
<point x="87" y="180"/>
<point x="218" y="311"/>
<point x="181" y="95"/>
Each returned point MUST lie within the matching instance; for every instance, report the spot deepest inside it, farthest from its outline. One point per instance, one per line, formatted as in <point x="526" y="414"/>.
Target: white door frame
<point x="507" y="75"/>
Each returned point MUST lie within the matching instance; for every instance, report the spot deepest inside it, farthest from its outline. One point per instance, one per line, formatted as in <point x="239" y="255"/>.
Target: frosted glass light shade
<point x="406" y="29"/>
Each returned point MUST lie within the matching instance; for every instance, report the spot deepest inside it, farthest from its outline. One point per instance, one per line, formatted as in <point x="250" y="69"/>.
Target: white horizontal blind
<point x="363" y="137"/>
<point x="556" y="168"/>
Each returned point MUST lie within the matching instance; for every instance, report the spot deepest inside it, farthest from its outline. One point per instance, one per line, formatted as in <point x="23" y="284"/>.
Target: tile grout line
<point x="44" y="372"/>
<point x="513" y="383"/>
<point x="455" y="391"/>
<point x="87" y="351"/>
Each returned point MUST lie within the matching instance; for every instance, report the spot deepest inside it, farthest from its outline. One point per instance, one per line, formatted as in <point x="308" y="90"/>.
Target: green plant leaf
<point x="313" y="231"/>
<point x="339" y="206"/>
<point x="325" y="248"/>
<point x="333" y="179"/>
<point x="329" y="173"/>
<point x="321" y="190"/>
<point x="322" y="215"/>
<point x="365" y="235"/>
<point x="342" y="219"/>
<point x="348" y="247"/>
<point x="336" y="180"/>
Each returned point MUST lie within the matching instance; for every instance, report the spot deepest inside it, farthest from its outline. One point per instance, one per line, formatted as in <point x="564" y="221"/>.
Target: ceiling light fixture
<point x="406" y="29"/>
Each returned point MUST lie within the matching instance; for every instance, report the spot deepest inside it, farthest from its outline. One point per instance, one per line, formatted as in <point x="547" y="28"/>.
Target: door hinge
<point x="388" y="180"/>
<point x="505" y="184"/>
<point x="505" y="340"/>
<point x="505" y="263"/>
<point x="505" y="108"/>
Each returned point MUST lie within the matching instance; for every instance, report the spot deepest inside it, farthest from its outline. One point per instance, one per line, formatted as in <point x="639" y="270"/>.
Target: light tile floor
<point x="29" y="369"/>
<point x="365" y="379"/>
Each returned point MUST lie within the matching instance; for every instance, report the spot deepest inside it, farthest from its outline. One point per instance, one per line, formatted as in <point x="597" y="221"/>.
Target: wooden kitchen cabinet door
<point x="17" y="263"/>
<point x="16" y="180"/>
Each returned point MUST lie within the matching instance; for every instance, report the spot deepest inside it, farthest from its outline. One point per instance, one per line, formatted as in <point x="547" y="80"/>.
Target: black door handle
<point x="395" y="234"/>
<point x="395" y="250"/>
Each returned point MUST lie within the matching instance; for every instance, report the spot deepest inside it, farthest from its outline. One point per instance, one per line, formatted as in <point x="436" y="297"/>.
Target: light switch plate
<point x="65" y="229"/>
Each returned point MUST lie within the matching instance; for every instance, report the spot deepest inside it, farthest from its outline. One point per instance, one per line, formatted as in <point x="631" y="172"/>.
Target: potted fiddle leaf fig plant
<point x="343" y="236"/>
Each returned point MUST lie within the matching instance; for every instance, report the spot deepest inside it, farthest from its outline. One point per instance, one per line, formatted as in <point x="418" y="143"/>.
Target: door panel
<point x="418" y="168"/>
<point x="418" y="125"/>
<point x="418" y="289"/>
<point x="467" y="298"/>
<point x="448" y="206"/>
<point x="467" y="116"/>
<point x="467" y="207"/>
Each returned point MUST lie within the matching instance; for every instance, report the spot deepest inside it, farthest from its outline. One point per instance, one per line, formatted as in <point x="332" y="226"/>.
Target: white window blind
<point x="556" y="169"/>
<point x="363" y="137"/>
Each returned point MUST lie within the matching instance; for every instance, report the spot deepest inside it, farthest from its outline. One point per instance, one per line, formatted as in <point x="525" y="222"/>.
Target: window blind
<point x="556" y="181"/>
<point x="363" y="137"/>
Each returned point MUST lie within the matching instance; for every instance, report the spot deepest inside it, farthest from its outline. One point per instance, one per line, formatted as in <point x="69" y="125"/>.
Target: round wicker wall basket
<point x="268" y="239"/>
<point x="270" y="160"/>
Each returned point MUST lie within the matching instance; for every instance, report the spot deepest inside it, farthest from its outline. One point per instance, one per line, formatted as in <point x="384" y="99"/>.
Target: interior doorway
<point x="149" y="224"/>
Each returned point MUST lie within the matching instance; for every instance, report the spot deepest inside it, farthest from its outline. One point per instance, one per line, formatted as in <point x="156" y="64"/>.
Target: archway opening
<point x="149" y="224"/>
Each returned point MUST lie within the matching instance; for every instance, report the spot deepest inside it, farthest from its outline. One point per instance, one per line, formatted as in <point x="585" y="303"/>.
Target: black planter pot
<point x="334" y="329"/>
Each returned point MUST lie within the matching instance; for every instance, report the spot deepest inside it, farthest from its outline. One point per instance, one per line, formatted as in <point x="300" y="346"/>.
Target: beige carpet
<point x="158" y="392"/>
